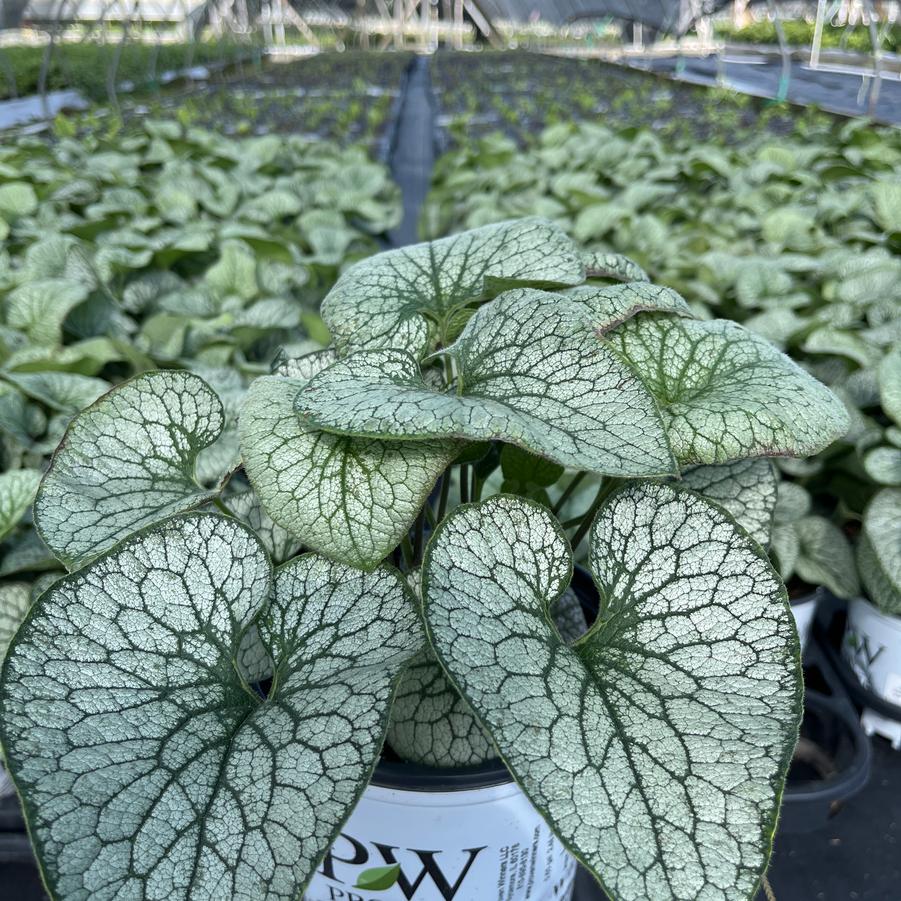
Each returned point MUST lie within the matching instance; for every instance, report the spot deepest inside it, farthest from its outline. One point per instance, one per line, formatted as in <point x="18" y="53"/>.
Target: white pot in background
<point x="804" y="610"/>
<point x="460" y="841"/>
<point x="872" y="647"/>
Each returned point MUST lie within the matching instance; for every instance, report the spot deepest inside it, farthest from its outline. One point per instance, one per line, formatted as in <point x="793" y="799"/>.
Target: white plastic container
<point x="872" y="647"/>
<point x="456" y="836"/>
<point x="804" y="610"/>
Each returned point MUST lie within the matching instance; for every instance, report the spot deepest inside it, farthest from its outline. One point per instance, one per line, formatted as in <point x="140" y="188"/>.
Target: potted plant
<point x="873" y="633"/>
<point x="181" y="720"/>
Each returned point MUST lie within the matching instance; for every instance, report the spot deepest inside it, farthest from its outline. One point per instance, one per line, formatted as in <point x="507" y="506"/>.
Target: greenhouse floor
<point x="844" y="92"/>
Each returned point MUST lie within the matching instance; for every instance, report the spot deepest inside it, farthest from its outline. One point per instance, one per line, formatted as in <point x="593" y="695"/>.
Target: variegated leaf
<point x="726" y="393"/>
<point x="17" y="490"/>
<point x="410" y="298"/>
<point x="657" y="745"/>
<point x="605" y="264"/>
<point x="825" y="556"/>
<point x="127" y="462"/>
<point x="879" y="550"/>
<point x="15" y="599"/>
<point x="612" y="305"/>
<point x="431" y="724"/>
<point x="746" y="488"/>
<point x="39" y="308"/>
<point x="150" y="768"/>
<point x="350" y="499"/>
<point x="531" y="372"/>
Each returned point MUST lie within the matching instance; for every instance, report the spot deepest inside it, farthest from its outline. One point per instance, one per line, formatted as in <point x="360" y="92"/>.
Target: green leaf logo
<point x="377" y="879"/>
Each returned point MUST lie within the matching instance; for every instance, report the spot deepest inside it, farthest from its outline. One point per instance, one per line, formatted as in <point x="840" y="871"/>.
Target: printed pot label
<point x="486" y="844"/>
<point x="872" y="647"/>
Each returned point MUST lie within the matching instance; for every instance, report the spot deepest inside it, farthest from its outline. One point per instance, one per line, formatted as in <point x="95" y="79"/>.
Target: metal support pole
<point x="818" y="34"/>
<point x="785" y="76"/>
<point x="399" y="23"/>
<point x="877" y="57"/>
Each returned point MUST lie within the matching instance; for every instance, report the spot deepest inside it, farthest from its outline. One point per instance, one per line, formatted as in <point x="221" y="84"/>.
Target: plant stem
<point x="442" y="498"/>
<point x="464" y="484"/>
<point x="607" y="487"/>
<point x="430" y="516"/>
<point x="568" y="492"/>
<point x="407" y="549"/>
<point x="477" y="483"/>
<point x="419" y="535"/>
<point x="448" y="370"/>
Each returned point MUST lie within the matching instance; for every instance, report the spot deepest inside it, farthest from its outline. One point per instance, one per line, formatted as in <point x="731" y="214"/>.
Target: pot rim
<point x="853" y="776"/>
<point x="893" y="620"/>
<point x="818" y="594"/>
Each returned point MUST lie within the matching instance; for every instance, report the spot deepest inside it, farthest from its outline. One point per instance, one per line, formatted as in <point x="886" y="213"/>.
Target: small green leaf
<point x="890" y="384"/>
<point x="377" y="879"/>
<point x="519" y="465"/>
<point x="127" y="462"/>
<point x="658" y="744"/>
<point x="726" y="393"/>
<point x="235" y="272"/>
<point x="404" y="298"/>
<point x="430" y="723"/>
<point x="149" y="767"/>
<point x="531" y="372"/>
<point x="885" y="194"/>
<point x="883" y="465"/>
<point x="825" y="556"/>
<point x="17" y="198"/>
<point x="67" y="392"/>
<point x="17" y="490"/>
<point x="24" y="552"/>
<point x="842" y="343"/>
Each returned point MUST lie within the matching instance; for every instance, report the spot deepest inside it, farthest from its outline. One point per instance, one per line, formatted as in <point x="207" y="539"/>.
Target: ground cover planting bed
<point x="518" y="93"/>
<point x="348" y="98"/>
<point x="83" y="66"/>
<point x="344" y="97"/>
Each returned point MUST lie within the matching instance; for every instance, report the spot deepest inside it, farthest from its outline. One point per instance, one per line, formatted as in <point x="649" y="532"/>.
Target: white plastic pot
<point x="872" y="647"/>
<point x="804" y="610"/>
<point x="461" y="835"/>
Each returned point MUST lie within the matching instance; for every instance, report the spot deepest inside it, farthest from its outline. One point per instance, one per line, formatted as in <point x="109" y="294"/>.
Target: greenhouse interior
<point x="450" y="450"/>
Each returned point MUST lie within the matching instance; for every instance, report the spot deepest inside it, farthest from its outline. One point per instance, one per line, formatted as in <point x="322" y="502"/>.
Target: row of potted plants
<point x="512" y="96"/>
